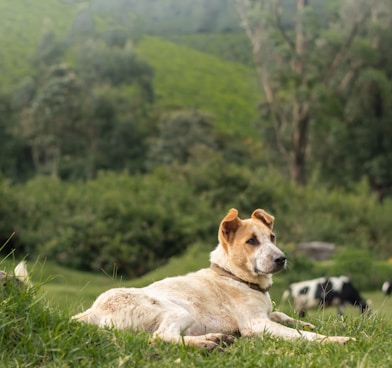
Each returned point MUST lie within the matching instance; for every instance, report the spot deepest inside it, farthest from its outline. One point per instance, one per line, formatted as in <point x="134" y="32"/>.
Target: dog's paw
<point x="212" y="341"/>
<point x="220" y="338"/>
<point x="338" y="339"/>
<point x="307" y="326"/>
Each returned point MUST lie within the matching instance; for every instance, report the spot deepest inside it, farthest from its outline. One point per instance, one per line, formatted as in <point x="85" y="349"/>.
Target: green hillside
<point x="188" y="78"/>
<point x="21" y="25"/>
<point x="184" y="77"/>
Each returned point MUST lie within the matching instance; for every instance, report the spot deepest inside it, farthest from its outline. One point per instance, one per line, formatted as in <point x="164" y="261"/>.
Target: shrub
<point x="8" y="216"/>
<point x="362" y="266"/>
<point x="130" y="224"/>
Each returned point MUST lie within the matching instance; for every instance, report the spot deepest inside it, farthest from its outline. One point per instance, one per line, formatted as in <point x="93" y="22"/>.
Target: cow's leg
<point x="299" y="307"/>
<point x="284" y="318"/>
<point x="340" y="310"/>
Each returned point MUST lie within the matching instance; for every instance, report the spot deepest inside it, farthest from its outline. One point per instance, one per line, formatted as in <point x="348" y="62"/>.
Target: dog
<point x="207" y="308"/>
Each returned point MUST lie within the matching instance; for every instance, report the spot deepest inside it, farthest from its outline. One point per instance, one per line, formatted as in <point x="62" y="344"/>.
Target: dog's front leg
<point x="264" y="326"/>
<point x="284" y="318"/>
<point x="210" y="341"/>
<point x="175" y="327"/>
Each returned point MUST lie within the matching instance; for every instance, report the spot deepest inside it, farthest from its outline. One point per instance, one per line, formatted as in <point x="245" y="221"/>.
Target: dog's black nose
<point x="280" y="260"/>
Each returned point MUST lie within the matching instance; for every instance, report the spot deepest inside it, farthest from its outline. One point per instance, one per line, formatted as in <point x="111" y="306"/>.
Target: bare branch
<point x="345" y="48"/>
<point x="351" y="74"/>
<point x="280" y="26"/>
<point x="255" y="34"/>
<point x="243" y="14"/>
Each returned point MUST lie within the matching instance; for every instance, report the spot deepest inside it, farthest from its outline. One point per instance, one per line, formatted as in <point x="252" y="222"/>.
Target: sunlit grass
<point x="35" y="329"/>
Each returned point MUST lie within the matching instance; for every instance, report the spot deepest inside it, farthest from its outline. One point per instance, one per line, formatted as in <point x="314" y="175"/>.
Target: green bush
<point x="8" y="215"/>
<point x="364" y="268"/>
<point x="132" y="224"/>
<point x="299" y="267"/>
<point x="116" y="222"/>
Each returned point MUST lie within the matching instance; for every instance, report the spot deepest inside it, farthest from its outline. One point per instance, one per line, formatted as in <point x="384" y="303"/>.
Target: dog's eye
<point x="252" y="241"/>
<point x="272" y="237"/>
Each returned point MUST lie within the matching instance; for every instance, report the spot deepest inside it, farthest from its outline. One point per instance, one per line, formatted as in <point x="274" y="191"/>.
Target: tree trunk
<point x="300" y="142"/>
<point x="300" y="111"/>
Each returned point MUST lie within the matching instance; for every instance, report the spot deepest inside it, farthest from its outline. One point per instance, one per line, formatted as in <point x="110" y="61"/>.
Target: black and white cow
<point x="324" y="292"/>
<point x="387" y="288"/>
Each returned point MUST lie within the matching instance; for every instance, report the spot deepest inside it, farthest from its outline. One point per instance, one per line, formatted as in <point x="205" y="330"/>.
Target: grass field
<point x="35" y="329"/>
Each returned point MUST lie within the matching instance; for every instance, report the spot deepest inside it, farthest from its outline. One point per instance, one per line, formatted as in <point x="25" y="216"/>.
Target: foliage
<point x="303" y="214"/>
<point x="367" y="125"/>
<point x="297" y="55"/>
<point x="106" y="112"/>
<point x="181" y="133"/>
<point x="98" y="41"/>
<point x="134" y="223"/>
<point x="299" y="267"/>
<point x="15" y="157"/>
<point x="8" y="216"/>
<point x="111" y="223"/>
<point x="353" y="262"/>
<point x="80" y="119"/>
<point x="50" y="121"/>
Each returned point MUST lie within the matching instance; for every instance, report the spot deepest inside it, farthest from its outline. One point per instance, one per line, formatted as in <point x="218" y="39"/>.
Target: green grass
<point x="230" y="46"/>
<point x="186" y="78"/>
<point x="35" y="329"/>
<point x="22" y="23"/>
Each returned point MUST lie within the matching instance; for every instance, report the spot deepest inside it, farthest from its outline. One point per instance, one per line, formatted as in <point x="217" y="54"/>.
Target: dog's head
<point x="250" y="245"/>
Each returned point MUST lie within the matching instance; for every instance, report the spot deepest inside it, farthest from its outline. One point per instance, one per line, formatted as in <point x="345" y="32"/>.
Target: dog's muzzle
<point x="280" y="262"/>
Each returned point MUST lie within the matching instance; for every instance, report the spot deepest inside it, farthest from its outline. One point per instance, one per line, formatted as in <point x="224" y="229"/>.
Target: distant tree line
<point x="324" y="69"/>
<point x="130" y="224"/>
<point x="89" y="106"/>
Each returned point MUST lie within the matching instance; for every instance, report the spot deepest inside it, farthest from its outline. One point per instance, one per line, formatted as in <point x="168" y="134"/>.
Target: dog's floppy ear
<point x="264" y="217"/>
<point x="228" y="226"/>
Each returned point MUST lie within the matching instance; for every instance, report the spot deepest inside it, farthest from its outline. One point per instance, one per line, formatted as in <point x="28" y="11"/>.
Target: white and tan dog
<point x="207" y="307"/>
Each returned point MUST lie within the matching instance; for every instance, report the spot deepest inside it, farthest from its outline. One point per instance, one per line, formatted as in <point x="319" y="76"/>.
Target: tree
<point x="15" y="157"/>
<point x="116" y="112"/>
<point x="181" y="135"/>
<point x="300" y="58"/>
<point x="51" y="117"/>
<point x="89" y="113"/>
<point x="355" y="142"/>
<point x="360" y="146"/>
